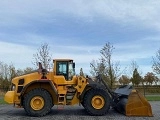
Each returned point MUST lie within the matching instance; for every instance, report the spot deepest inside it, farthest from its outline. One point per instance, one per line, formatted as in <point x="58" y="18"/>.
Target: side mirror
<point x="73" y="65"/>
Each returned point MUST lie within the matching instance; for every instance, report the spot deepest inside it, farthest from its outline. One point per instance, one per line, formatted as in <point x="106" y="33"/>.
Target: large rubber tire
<point x="100" y="107"/>
<point x="82" y="103"/>
<point x="37" y="102"/>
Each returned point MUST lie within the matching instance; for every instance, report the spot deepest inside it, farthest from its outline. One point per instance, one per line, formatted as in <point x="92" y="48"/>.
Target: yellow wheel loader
<point x="37" y="92"/>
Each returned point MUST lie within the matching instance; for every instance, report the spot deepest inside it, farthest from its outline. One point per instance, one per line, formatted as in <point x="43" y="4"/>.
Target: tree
<point x="24" y="71"/>
<point x="112" y="68"/>
<point x="156" y="63"/>
<point x="136" y="78"/>
<point x="4" y="70"/>
<point x="19" y="72"/>
<point x="12" y="72"/>
<point x="27" y="70"/>
<point x="124" y="80"/>
<point x="150" y="78"/>
<point x="106" y="66"/>
<point x="133" y="66"/>
<point x="98" y="66"/>
<point x="42" y="56"/>
<point x="6" y="74"/>
<point x="156" y="80"/>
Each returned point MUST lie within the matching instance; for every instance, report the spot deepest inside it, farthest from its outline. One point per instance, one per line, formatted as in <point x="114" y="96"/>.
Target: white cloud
<point x="19" y="55"/>
<point x="135" y="12"/>
<point x="22" y="55"/>
<point x="21" y="13"/>
<point x="137" y="49"/>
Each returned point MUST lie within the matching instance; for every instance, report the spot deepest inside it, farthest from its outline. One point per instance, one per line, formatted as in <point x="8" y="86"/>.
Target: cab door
<point x="62" y="69"/>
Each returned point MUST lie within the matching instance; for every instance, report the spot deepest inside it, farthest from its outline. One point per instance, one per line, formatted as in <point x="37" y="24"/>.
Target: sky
<point x="78" y="29"/>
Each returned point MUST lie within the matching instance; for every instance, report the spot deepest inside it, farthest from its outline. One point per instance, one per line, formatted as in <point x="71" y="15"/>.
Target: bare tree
<point x="28" y="70"/>
<point x="4" y="70"/>
<point x="156" y="63"/>
<point x="112" y="68"/>
<point x="133" y="66"/>
<point x="19" y="72"/>
<point x="6" y="74"/>
<point x="42" y="56"/>
<point x="105" y="65"/>
<point x="12" y="72"/>
<point x="98" y="66"/>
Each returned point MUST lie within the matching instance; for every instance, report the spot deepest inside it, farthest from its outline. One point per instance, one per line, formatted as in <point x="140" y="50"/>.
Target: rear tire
<point x="37" y="102"/>
<point x="82" y="103"/>
<point x="96" y="102"/>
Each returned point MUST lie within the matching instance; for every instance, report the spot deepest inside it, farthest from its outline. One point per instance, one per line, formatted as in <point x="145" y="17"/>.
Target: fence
<point x="145" y="90"/>
<point x="149" y="90"/>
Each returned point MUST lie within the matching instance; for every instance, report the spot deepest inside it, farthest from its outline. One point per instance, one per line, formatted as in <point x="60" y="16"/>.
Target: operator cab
<point x="65" y="67"/>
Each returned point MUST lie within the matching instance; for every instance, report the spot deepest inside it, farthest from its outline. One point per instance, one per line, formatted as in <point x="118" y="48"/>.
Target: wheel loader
<point x="37" y="92"/>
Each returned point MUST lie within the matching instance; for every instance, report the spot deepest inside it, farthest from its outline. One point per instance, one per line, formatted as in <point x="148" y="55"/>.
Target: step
<point x="60" y="107"/>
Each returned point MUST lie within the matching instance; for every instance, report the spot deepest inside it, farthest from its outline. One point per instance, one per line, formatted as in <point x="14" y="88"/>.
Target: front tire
<point x="37" y="102"/>
<point x="96" y="102"/>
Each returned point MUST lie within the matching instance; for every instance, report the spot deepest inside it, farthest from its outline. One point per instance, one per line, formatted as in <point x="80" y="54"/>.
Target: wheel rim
<point x="37" y="103"/>
<point x="98" y="102"/>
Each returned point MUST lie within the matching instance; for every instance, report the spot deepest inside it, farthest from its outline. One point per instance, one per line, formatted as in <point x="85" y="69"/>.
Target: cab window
<point x="62" y="69"/>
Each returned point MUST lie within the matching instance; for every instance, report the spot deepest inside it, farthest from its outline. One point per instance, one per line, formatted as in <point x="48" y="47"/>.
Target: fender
<point x="92" y="84"/>
<point x="39" y="81"/>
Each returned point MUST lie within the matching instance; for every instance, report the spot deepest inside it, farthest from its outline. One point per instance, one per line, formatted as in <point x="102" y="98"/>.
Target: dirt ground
<point x="8" y="112"/>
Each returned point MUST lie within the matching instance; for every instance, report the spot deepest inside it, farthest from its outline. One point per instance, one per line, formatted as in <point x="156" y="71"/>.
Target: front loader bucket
<point x="137" y="105"/>
<point x="130" y="102"/>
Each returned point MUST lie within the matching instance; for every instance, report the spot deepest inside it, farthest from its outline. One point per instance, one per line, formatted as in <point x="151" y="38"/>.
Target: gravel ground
<point x="8" y="112"/>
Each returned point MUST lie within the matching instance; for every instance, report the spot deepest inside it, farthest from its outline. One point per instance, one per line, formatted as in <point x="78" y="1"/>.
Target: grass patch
<point x="2" y="98"/>
<point x="153" y="98"/>
<point x="2" y="101"/>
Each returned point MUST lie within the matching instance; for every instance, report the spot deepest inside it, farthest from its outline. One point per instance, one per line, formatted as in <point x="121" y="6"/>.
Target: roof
<point x="62" y="59"/>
